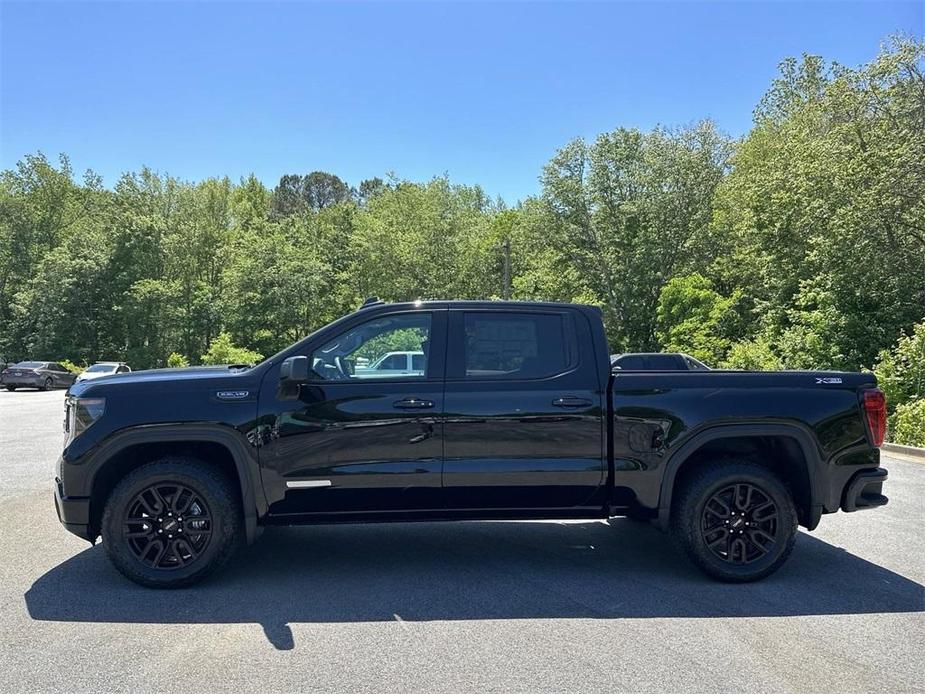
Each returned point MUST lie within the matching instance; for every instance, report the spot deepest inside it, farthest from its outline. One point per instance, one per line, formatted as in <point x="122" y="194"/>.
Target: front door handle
<point x="413" y="404"/>
<point x="571" y="401"/>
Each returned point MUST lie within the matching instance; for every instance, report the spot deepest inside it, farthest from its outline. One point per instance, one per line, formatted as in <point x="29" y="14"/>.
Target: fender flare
<point x="797" y="432"/>
<point x="244" y="456"/>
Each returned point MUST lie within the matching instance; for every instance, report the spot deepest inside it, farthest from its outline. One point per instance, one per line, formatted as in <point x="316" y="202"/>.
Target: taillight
<point x="874" y="402"/>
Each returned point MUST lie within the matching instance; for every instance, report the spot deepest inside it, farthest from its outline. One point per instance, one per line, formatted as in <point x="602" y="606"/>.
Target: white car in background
<point x="410" y="363"/>
<point x="103" y="368"/>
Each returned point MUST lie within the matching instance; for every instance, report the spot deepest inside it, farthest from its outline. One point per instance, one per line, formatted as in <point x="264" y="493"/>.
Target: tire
<point x="11" y="388"/>
<point x="48" y="384"/>
<point x="134" y="537"/>
<point x="747" y="540"/>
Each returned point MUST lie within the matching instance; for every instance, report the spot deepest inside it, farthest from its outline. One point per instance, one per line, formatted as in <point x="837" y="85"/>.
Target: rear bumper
<point x="21" y="382"/>
<point x="865" y="490"/>
<point x="73" y="512"/>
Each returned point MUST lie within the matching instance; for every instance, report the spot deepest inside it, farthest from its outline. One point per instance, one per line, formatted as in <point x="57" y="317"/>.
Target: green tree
<point x="823" y="211"/>
<point x="632" y="210"/>
<point x="223" y="351"/>
<point x="177" y="361"/>
<point x="693" y="318"/>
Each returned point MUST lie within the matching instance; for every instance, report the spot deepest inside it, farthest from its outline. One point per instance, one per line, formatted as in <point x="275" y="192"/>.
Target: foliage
<point x="907" y="425"/>
<point x="177" y="361"/>
<point x="71" y="366"/>
<point x="693" y="318"/>
<point x="631" y="211"/>
<point x="901" y="371"/>
<point x="752" y="355"/>
<point x="823" y="211"/>
<point x="224" y="351"/>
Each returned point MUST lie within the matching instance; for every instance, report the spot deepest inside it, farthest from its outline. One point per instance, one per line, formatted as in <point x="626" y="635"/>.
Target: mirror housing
<point x="294" y="370"/>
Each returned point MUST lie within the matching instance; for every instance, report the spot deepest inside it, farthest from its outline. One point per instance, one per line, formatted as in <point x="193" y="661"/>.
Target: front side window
<point x="517" y="345"/>
<point x="376" y="349"/>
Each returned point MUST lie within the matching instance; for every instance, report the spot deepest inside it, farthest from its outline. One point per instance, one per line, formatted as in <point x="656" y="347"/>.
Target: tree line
<point x="799" y="245"/>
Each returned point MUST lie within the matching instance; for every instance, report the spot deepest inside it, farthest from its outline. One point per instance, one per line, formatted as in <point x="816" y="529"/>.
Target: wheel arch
<point x="215" y="445"/>
<point x="803" y="458"/>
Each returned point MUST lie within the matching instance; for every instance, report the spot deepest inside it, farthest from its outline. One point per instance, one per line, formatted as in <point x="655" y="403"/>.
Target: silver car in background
<point x="43" y="375"/>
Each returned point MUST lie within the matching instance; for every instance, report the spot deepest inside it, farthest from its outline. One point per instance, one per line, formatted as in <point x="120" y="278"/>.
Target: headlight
<point x="80" y="413"/>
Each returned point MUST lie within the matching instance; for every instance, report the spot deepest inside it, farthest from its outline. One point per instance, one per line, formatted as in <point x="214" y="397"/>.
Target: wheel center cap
<point x="169" y="524"/>
<point x="737" y="522"/>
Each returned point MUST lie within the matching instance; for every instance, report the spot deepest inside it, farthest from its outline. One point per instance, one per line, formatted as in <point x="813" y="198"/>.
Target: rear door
<point x="523" y="429"/>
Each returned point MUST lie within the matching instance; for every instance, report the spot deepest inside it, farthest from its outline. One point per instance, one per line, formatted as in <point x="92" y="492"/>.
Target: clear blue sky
<point x="485" y="93"/>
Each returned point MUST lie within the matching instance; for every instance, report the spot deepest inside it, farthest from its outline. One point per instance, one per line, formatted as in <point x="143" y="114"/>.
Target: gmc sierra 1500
<point x="515" y="413"/>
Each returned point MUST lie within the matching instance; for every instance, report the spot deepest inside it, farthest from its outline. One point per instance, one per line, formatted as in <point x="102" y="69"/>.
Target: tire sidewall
<point x="225" y="528"/>
<point x="768" y="483"/>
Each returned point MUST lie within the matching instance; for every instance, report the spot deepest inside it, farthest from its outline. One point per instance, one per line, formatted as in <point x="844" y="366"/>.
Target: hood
<point x="160" y="377"/>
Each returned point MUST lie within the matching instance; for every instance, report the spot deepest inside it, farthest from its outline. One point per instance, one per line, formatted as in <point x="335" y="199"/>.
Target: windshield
<point x="30" y="364"/>
<point x="104" y="368"/>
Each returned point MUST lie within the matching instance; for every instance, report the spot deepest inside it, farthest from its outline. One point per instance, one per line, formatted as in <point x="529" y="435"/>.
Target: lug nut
<point x="159" y="531"/>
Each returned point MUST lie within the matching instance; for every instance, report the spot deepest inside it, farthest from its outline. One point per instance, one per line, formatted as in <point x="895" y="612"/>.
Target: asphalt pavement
<point x="556" y="606"/>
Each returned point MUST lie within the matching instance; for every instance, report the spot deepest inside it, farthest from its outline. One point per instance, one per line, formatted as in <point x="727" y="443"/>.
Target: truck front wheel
<point x="171" y="522"/>
<point x="735" y="520"/>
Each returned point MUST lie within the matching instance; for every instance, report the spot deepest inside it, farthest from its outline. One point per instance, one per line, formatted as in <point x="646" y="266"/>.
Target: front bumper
<point x="73" y="513"/>
<point x="865" y="490"/>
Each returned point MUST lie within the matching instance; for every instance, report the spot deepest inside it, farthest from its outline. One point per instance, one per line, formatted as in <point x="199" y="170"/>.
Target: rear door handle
<point x="571" y="401"/>
<point x="413" y="404"/>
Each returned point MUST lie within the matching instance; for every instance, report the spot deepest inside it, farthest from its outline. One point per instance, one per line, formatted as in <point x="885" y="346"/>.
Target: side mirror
<point x="294" y="370"/>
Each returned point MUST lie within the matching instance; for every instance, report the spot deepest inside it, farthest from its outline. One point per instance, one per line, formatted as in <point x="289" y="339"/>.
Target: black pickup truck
<point x="513" y="413"/>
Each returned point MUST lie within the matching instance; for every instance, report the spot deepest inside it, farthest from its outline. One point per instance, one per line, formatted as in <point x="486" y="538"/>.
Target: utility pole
<point x="506" y="250"/>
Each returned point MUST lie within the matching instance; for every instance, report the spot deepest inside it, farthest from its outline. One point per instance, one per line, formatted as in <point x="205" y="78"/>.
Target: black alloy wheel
<point x="172" y="522"/>
<point x="167" y="526"/>
<point x="739" y="523"/>
<point x="735" y="519"/>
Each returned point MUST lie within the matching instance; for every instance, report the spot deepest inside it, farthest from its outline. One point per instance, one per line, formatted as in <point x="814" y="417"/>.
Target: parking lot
<point x="479" y="606"/>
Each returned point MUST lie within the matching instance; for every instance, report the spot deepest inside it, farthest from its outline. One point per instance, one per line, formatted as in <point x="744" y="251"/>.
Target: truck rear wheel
<point x="735" y="520"/>
<point x="170" y="523"/>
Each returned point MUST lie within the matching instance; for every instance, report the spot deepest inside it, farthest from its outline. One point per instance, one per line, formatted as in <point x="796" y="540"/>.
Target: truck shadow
<point x="463" y="571"/>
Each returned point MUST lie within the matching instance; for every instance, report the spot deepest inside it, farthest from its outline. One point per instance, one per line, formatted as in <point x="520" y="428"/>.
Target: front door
<point x="524" y="417"/>
<point x="358" y="439"/>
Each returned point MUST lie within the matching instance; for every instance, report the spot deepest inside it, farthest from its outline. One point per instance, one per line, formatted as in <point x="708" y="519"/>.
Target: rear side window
<point x="517" y="345"/>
